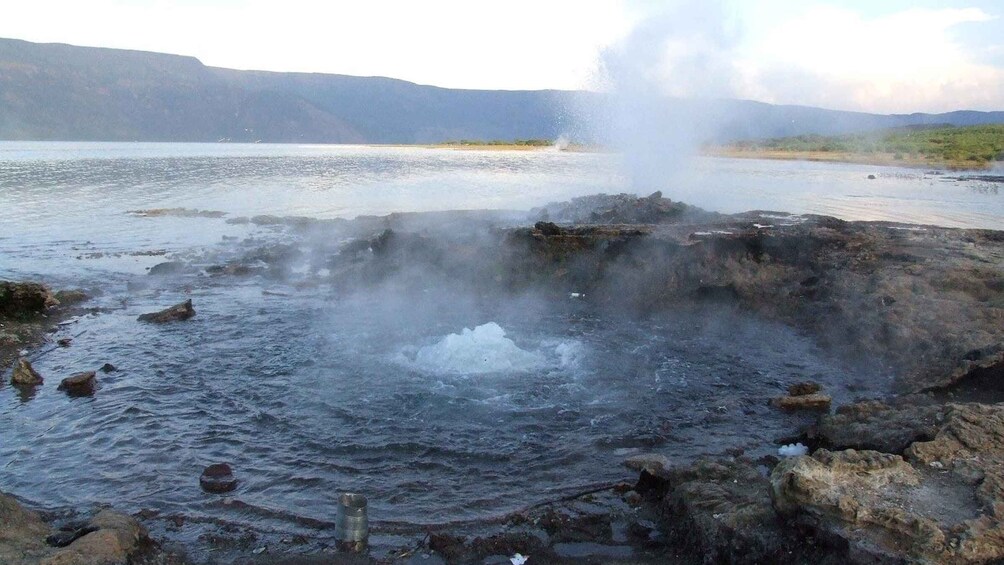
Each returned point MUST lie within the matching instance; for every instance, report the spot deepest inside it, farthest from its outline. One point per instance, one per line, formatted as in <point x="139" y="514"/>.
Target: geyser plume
<point x="664" y="83"/>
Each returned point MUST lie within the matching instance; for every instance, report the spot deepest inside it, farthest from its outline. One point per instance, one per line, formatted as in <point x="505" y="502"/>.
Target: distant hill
<point x="62" y="92"/>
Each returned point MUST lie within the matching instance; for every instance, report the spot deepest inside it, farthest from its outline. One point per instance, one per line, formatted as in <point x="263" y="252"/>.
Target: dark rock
<point x="65" y="537"/>
<point x="722" y="509"/>
<point x="64" y="342"/>
<point x="871" y="177"/>
<point x="80" y="384"/>
<point x="803" y="389"/>
<point x="874" y="425"/>
<point x="167" y="268"/>
<point x="108" y="368"/>
<point x="547" y="228"/>
<point x="24" y="374"/>
<point x="815" y="401"/>
<point x="21" y="300"/>
<point x="177" y="312"/>
<point x="218" y="478"/>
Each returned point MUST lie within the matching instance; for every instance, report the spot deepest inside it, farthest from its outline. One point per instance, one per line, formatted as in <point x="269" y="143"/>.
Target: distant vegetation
<point x="498" y="142"/>
<point x="963" y="147"/>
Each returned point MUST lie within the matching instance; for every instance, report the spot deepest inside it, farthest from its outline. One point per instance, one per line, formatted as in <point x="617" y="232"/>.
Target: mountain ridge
<point x="55" y="91"/>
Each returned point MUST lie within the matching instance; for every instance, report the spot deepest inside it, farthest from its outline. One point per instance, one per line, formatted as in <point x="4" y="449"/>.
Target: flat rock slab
<point x="175" y="313"/>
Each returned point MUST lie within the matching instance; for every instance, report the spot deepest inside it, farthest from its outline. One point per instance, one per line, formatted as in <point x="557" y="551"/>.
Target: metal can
<point x="351" y="522"/>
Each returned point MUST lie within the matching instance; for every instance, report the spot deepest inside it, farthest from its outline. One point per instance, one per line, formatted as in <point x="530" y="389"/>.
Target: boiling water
<point x="436" y="403"/>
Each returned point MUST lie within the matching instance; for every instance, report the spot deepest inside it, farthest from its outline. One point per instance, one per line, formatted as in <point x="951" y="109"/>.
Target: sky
<point x="886" y="56"/>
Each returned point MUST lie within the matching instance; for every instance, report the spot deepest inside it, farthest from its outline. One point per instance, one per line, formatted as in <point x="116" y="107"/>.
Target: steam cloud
<point x="663" y="84"/>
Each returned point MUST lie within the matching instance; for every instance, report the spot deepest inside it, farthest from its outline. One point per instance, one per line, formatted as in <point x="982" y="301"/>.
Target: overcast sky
<point x="869" y="55"/>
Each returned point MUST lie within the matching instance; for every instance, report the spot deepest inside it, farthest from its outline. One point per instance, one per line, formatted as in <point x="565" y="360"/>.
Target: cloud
<point x="904" y="61"/>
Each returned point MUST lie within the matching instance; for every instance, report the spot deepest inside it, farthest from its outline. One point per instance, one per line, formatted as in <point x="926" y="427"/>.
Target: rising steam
<point x="664" y="83"/>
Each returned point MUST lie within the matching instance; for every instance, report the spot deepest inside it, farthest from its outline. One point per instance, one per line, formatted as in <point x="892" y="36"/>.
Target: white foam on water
<point x="792" y="450"/>
<point x="485" y="349"/>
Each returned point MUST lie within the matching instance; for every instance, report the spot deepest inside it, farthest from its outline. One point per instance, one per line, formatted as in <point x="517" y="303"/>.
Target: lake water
<point x="307" y="392"/>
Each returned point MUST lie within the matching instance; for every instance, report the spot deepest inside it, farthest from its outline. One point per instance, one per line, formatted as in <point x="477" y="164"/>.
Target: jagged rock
<point x="803" y="389"/>
<point x="218" y="478"/>
<point x="873" y="500"/>
<point x="177" y="312"/>
<point x="815" y="401"/>
<point x="109" y="538"/>
<point x="722" y="510"/>
<point x="80" y="384"/>
<point x="877" y="426"/>
<point x="114" y="538"/>
<point x="24" y="299"/>
<point x="970" y="445"/>
<point x="24" y="374"/>
<point x="943" y="503"/>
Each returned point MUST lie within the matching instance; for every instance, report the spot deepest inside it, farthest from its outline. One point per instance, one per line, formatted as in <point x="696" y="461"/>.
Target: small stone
<point x="64" y="342"/>
<point x="816" y="401"/>
<point x="803" y="389"/>
<point x="108" y="368"/>
<point x="80" y="384"/>
<point x="24" y="374"/>
<point x="218" y="478"/>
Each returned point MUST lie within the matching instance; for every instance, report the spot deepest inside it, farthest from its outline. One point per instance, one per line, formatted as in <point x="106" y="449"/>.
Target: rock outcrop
<point x="111" y="538"/>
<point x="80" y="384"/>
<point x="175" y="313"/>
<point x="875" y="425"/>
<point x="24" y="299"/>
<point x="721" y="509"/>
<point x="942" y="502"/>
<point x="24" y="374"/>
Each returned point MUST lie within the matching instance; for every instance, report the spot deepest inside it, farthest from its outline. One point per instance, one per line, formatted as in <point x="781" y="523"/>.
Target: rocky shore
<point x="913" y="477"/>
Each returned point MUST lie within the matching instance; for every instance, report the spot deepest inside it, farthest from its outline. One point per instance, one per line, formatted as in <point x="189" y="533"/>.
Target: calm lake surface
<point x="308" y="393"/>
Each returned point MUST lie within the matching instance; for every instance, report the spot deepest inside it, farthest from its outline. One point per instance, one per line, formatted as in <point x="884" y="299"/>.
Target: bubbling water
<point x="484" y="349"/>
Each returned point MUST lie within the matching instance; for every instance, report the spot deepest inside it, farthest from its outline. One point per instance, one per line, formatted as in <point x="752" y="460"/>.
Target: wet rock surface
<point x="80" y="384"/>
<point x="218" y="478"/>
<point x="24" y="374"/>
<point x="176" y="313"/>
<point x="108" y="538"/>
